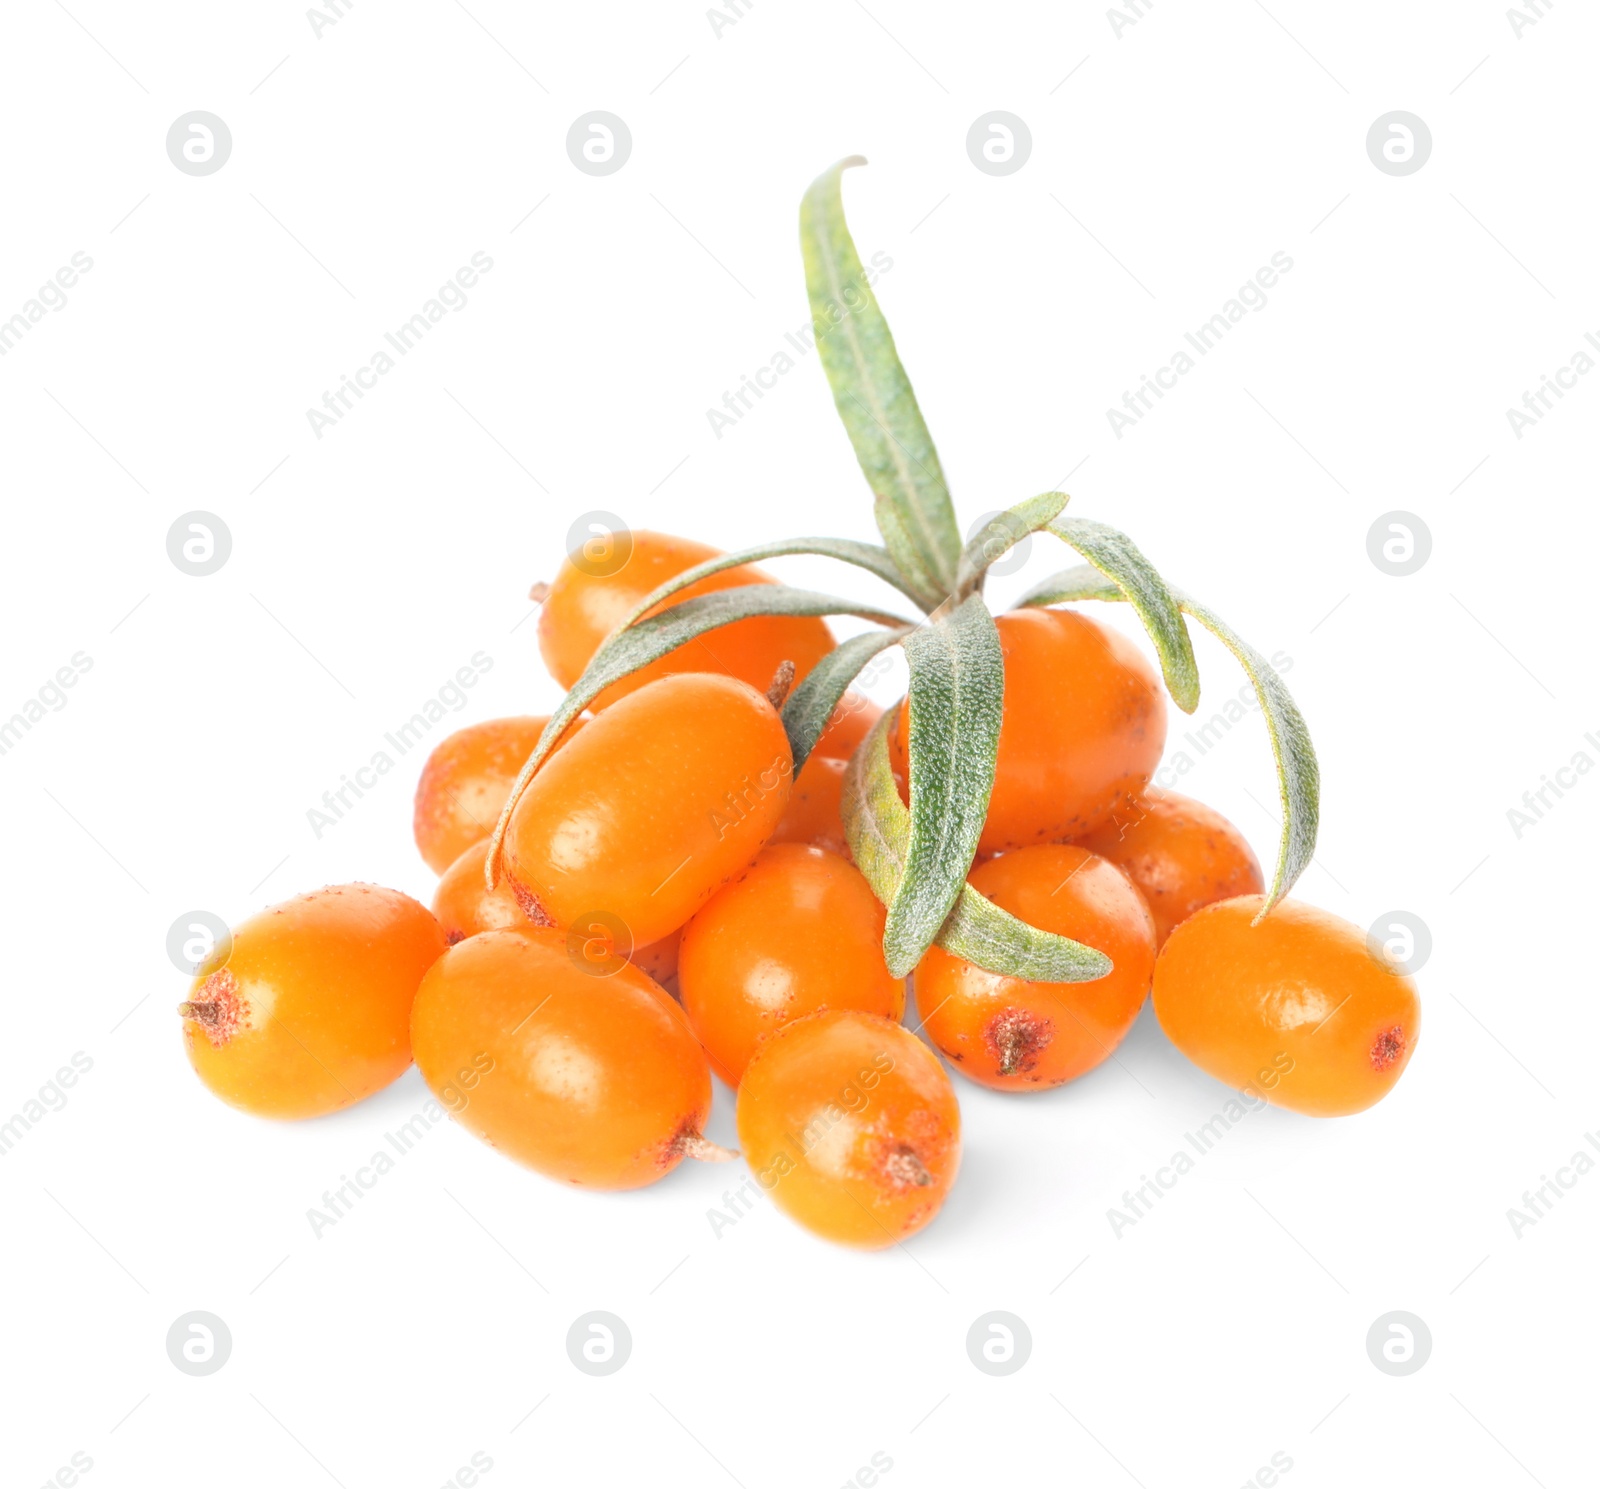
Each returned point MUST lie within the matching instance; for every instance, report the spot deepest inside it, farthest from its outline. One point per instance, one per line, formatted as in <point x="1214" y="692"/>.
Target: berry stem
<point x="782" y="681"/>
<point x="693" y="1145"/>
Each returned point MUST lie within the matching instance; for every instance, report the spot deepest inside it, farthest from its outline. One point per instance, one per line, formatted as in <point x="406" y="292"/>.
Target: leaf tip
<point x="830" y="177"/>
<point x="897" y="956"/>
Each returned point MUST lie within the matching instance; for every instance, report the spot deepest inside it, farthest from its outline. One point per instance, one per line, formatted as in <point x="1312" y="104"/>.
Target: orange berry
<point x="1179" y="853"/>
<point x="849" y="1123"/>
<point x="594" y="1080"/>
<point x="1300" y="1009"/>
<point x="581" y="609"/>
<point x="464" y="906"/>
<point x="660" y="801"/>
<point x="798" y="931"/>
<point x="813" y="811"/>
<point x="849" y="723"/>
<point x="465" y="783"/>
<point x="1016" y="1035"/>
<point x="1084" y="726"/>
<point x="311" y="1011"/>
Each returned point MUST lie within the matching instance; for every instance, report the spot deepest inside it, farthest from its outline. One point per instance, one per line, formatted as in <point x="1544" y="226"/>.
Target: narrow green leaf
<point x="866" y="556"/>
<point x="625" y="652"/>
<point x="811" y="705"/>
<point x="1081" y="582"/>
<point x="874" y="397"/>
<point x="1001" y="533"/>
<point x="955" y="701"/>
<point x="980" y="932"/>
<point x="1299" y="776"/>
<point x="1117" y="557"/>
<point x="876" y="823"/>
<point x="878" y="828"/>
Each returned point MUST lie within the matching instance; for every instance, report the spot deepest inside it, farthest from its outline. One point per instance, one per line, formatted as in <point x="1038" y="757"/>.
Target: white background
<point x="368" y="165"/>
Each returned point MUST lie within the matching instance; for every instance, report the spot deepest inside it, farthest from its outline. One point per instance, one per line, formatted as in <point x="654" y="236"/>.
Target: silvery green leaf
<point x="1116" y="556"/>
<point x="1081" y="582"/>
<point x="954" y="702"/>
<point x="811" y="705"/>
<point x="874" y="398"/>
<point x="878" y="827"/>
<point x="1002" y="532"/>
<point x="1299" y="777"/>
<point x="980" y="932"/>
<point x="625" y="652"/>
<point x="866" y="556"/>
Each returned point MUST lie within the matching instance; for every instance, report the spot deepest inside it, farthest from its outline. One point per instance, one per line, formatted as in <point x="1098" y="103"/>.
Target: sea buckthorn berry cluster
<point x="716" y="857"/>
